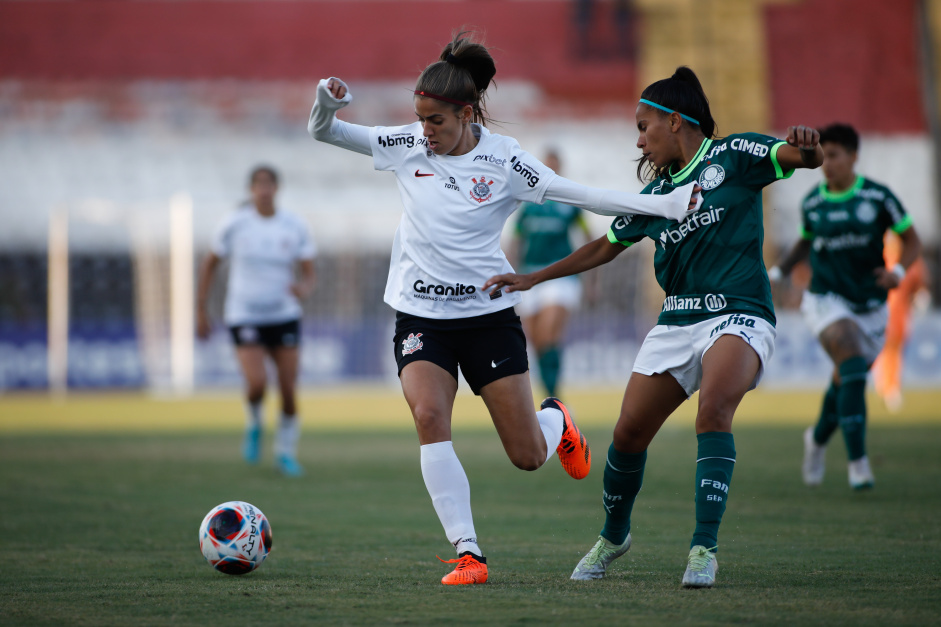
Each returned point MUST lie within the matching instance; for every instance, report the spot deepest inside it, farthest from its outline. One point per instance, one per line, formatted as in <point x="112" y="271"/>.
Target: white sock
<point x="450" y="494"/>
<point x="289" y="430"/>
<point x="552" y="422"/>
<point x="253" y="414"/>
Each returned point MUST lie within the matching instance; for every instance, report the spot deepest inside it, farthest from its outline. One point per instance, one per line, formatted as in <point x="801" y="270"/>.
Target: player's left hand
<point x="301" y="290"/>
<point x="803" y="137"/>
<point x="695" y="200"/>
<point x="509" y="283"/>
<point x="886" y="279"/>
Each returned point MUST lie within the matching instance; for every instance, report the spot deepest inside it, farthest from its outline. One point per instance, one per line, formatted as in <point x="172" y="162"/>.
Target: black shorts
<point x="486" y="348"/>
<point x="286" y="334"/>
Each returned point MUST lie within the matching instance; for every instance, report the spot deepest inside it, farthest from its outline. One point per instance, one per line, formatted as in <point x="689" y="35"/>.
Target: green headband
<point x="662" y="108"/>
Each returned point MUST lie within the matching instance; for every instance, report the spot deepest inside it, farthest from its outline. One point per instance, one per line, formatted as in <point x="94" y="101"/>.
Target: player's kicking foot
<point x="251" y="445"/>
<point x="701" y="568"/>
<point x="814" y="459"/>
<point x="470" y="569"/>
<point x="573" y="450"/>
<point x="860" y="474"/>
<point x="287" y="465"/>
<point x="596" y="561"/>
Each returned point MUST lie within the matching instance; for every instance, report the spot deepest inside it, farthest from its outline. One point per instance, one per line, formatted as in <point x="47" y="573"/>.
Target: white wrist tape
<point x="899" y="271"/>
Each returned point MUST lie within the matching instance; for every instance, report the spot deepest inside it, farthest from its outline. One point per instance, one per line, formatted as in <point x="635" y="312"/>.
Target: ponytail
<point x="460" y="76"/>
<point x="682" y="93"/>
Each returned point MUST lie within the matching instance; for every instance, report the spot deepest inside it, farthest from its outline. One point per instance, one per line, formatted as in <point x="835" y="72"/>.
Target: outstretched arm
<point x="803" y="149"/>
<point x="323" y="125"/>
<point x="591" y="255"/>
<point x="608" y="202"/>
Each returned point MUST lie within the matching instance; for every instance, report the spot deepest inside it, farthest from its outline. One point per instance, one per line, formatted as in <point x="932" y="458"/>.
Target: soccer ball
<point x="235" y="537"/>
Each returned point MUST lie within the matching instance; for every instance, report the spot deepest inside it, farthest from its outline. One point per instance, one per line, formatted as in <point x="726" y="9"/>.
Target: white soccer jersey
<point x="263" y="251"/>
<point x="448" y="241"/>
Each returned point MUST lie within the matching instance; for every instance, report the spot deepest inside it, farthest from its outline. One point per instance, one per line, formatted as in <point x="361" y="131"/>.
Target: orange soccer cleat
<point x="470" y="569"/>
<point x="573" y="450"/>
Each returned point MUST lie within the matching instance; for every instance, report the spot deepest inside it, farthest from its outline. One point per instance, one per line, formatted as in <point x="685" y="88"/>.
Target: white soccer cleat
<point x="596" y="561"/>
<point x="701" y="568"/>
<point x="860" y="474"/>
<point x="814" y="459"/>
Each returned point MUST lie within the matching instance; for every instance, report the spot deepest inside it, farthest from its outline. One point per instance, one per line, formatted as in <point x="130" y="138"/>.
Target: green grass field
<point x="103" y="495"/>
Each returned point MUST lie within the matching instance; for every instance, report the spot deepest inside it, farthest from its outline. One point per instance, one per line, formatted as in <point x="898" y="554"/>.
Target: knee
<point x="629" y="436"/>
<point x="428" y="418"/>
<point x="528" y="460"/>
<point x="713" y="415"/>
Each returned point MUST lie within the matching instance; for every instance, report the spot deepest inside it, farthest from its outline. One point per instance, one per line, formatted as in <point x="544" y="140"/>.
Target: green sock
<point x="829" y="420"/>
<point x="851" y="405"/>
<point x="714" y="464"/>
<point x="550" y="363"/>
<point x="623" y="478"/>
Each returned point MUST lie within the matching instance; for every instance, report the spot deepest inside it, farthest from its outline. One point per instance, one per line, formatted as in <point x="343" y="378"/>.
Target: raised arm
<point x="323" y="125"/>
<point x="803" y="149"/>
<point x="608" y="202"/>
<point x="591" y="255"/>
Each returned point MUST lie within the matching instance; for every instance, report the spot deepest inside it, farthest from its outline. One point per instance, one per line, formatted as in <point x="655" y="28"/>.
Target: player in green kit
<point x="716" y="329"/>
<point x="843" y="224"/>
<point x="543" y="237"/>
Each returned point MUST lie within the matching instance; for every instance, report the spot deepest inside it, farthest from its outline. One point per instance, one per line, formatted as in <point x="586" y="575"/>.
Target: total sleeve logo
<point x="480" y="190"/>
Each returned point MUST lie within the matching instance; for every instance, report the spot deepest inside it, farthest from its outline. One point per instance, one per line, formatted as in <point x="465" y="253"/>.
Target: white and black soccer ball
<point x="235" y="537"/>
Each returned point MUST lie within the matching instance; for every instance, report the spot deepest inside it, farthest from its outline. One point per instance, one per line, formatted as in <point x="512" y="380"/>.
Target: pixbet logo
<point x="490" y="159"/>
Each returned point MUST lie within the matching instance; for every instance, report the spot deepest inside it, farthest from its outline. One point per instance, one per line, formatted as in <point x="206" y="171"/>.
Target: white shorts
<point x="822" y="310"/>
<point x="678" y="350"/>
<point x="565" y="292"/>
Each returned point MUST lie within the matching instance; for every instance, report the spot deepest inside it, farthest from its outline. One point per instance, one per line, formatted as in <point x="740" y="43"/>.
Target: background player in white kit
<point x="266" y="247"/>
<point x="459" y="183"/>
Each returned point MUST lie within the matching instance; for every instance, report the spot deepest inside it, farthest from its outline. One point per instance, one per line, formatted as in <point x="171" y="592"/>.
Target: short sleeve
<point x="899" y="219"/>
<point x="392" y="144"/>
<point x="222" y="239"/>
<point x="306" y="248"/>
<point x="627" y="230"/>
<point x="756" y="158"/>
<point x="528" y="177"/>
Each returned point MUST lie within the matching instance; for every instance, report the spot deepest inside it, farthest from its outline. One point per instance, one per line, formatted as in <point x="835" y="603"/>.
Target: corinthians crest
<point x="480" y="191"/>
<point x="411" y="344"/>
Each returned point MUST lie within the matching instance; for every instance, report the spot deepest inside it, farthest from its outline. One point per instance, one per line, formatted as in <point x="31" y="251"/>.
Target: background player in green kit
<point x="843" y="224"/>
<point x="543" y="236"/>
<point x="716" y="330"/>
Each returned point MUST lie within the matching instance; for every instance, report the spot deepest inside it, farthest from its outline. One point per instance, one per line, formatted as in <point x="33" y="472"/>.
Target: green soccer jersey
<point x="711" y="263"/>
<point x="846" y="232"/>
<point x="544" y="233"/>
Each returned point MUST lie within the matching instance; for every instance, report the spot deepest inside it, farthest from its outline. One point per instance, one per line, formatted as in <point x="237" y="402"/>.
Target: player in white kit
<point x="459" y="183"/>
<point x="266" y="247"/>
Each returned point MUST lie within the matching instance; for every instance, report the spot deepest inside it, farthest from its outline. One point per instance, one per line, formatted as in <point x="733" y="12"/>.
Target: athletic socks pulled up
<point x="552" y="423"/>
<point x="623" y="479"/>
<point x="289" y="429"/>
<point x="449" y="490"/>
<point x="851" y="405"/>
<point x="714" y="463"/>
<point x="550" y="364"/>
<point x="828" y="421"/>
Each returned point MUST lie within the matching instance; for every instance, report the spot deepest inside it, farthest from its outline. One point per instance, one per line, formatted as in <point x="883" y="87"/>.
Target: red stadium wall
<point x="850" y="59"/>
<point x="855" y="61"/>
<point x="273" y="40"/>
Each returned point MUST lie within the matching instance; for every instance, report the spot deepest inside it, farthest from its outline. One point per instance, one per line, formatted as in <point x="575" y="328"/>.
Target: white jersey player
<point x="265" y="246"/>
<point x="459" y="183"/>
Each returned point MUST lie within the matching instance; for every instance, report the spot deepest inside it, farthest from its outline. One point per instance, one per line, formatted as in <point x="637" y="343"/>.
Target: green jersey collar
<point x="841" y="196"/>
<point x="682" y="174"/>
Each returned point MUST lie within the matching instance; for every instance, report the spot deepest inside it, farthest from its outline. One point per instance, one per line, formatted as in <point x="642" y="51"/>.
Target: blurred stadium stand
<point x="108" y="109"/>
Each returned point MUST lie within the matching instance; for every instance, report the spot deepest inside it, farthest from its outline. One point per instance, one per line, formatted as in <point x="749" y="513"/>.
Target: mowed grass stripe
<point x="367" y="408"/>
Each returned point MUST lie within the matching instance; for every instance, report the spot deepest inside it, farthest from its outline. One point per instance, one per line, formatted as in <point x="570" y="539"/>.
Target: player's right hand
<point x="509" y="283"/>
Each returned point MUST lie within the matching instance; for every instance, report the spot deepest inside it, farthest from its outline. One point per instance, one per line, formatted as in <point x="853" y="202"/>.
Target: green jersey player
<point x="716" y="330"/>
<point x="543" y="236"/>
<point x="843" y="224"/>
